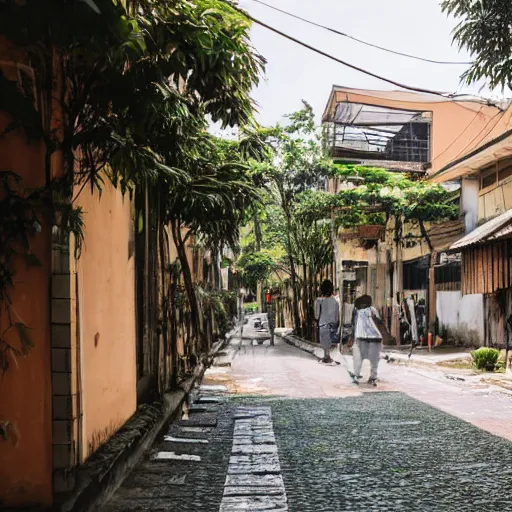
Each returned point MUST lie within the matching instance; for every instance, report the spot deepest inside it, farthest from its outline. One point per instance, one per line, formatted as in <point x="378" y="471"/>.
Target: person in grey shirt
<point x="327" y="317"/>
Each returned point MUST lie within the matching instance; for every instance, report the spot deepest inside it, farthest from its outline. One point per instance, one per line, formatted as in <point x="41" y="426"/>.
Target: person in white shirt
<point x="327" y="317"/>
<point x="367" y="338"/>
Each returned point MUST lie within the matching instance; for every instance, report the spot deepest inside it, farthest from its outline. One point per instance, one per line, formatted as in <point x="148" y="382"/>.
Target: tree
<point x="127" y="96"/>
<point x="302" y="218"/>
<point x="255" y="268"/>
<point x="296" y="164"/>
<point x="209" y="206"/>
<point x="123" y="83"/>
<point x="485" y="30"/>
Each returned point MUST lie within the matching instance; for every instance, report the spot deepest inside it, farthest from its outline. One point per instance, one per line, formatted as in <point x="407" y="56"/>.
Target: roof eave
<point x="467" y="164"/>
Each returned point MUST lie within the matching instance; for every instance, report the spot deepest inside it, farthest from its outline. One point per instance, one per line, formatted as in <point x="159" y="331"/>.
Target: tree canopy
<point x="127" y="95"/>
<point x="369" y="195"/>
<point x="485" y="30"/>
<point x="139" y="83"/>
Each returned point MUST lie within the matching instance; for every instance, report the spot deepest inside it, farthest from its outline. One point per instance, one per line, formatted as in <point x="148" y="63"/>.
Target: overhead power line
<point x="343" y="34"/>
<point x="336" y="59"/>
<point x="454" y="141"/>
<point x="463" y="150"/>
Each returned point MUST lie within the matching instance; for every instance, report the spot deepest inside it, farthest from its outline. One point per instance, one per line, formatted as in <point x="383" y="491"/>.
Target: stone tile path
<point x="254" y="480"/>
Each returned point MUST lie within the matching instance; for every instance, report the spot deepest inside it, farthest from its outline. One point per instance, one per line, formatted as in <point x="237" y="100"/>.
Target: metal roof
<point x="497" y="228"/>
<point x="502" y="233"/>
<point x="339" y="93"/>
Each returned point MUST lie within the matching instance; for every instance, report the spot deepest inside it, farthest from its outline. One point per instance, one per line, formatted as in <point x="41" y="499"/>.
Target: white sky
<point x="293" y="73"/>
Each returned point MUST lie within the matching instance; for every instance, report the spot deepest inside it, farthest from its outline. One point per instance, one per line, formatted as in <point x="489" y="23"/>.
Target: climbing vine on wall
<point x="21" y="211"/>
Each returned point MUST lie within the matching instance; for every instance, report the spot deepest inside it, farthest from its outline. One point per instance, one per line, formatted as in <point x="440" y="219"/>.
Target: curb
<point x="226" y="359"/>
<point x="305" y="346"/>
<point x="101" y="475"/>
<point x="400" y="357"/>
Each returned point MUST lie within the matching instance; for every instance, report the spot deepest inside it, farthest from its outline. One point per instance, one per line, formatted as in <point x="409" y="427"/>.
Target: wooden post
<point x="431" y="303"/>
<point x="397" y="287"/>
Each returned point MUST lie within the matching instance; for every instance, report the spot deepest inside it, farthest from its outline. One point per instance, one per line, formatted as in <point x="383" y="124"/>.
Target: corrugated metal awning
<point x="502" y="233"/>
<point x="494" y="229"/>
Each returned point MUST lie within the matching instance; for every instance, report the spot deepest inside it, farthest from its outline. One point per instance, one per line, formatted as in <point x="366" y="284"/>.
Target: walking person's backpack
<point x="381" y="327"/>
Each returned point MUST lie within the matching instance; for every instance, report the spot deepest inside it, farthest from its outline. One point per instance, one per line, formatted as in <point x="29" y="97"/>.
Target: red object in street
<point x="268" y="297"/>
<point x="429" y="341"/>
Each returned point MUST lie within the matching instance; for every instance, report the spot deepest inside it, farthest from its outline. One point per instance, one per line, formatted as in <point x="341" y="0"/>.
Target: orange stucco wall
<point x="457" y="126"/>
<point x="25" y="391"/>
<point x="106" y="295"/>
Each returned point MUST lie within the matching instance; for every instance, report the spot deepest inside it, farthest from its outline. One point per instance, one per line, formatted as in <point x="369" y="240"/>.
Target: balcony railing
<point x="361" y="132"/>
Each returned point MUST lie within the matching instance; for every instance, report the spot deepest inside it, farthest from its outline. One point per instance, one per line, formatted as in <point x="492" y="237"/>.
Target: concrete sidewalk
<point x="422" y="356"/>
<point x="436" y="361"/>
<point x="441" y="359"/>
<point x="285" y="372"/>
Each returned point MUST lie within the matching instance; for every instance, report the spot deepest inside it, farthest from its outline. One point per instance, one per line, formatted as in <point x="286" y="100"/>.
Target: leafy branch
<point x="18" y="224"/>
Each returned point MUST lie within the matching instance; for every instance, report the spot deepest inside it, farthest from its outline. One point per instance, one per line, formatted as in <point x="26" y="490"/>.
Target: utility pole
<point x="270" y="316"/>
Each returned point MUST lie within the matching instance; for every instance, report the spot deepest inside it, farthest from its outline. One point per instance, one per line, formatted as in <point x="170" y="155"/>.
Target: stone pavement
<point x="279" y="431"/>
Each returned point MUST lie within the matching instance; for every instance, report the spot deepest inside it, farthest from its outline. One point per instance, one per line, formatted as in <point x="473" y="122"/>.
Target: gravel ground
<point x="375" y="452"/>
<point x="387" y="452"/>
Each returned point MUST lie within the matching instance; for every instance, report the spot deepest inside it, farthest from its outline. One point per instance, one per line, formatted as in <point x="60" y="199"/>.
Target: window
<point x="505" y="172"/>
<point x="488" y="178"/>
<point x="415" y="274"/>
<point x="449" y="273"/>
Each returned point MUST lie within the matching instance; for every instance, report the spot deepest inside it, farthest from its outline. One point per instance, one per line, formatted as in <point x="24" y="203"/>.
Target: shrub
<point x="486" y="358"/>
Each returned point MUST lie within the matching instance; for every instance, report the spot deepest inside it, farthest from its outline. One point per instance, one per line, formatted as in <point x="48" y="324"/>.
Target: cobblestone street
<point x="278" y="431"/>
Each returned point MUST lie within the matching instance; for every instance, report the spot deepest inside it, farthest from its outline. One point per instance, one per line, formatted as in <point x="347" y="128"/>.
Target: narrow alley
<point x="278" y="431"/>
<point x="201" y="201"/>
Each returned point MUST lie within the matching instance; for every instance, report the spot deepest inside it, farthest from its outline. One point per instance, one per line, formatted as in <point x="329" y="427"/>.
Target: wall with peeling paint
<point x="106" y="316"/>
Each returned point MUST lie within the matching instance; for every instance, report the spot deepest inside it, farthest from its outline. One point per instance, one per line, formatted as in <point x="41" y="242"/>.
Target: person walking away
<point x="367" y="338"/>
<point x="327" y="317"/>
